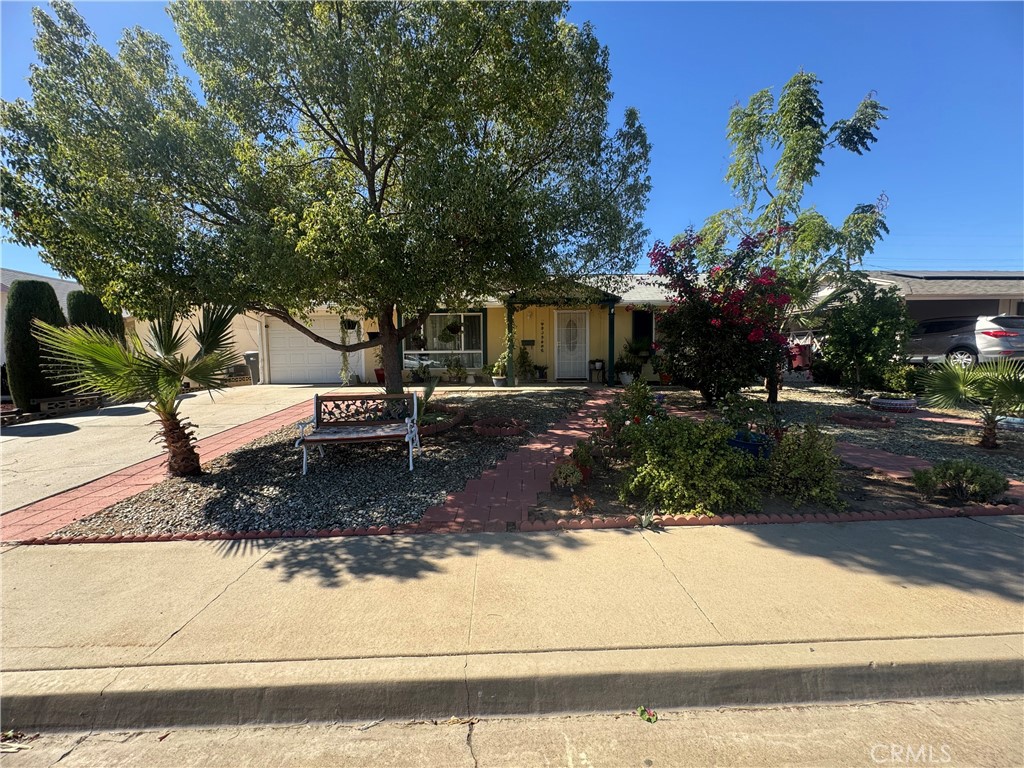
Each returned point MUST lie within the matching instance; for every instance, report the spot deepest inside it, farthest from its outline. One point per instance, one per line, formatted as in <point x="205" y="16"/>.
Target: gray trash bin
<point x="252" y="361"/>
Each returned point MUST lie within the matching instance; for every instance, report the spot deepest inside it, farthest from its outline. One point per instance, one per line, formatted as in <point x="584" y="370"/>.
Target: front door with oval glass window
<point x="571" y="345"/>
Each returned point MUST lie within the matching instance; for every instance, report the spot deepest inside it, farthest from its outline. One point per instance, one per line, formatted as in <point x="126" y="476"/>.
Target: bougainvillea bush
<point x="720" y="332"/>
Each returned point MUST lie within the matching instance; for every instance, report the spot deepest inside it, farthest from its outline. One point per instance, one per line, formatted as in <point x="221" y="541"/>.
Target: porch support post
<point x="611" y="344"/>
<point x="510" y="311"/>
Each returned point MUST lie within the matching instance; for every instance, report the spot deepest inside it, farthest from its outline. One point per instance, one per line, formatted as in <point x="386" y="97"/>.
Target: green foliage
<point x="639" y="401"/>
<point x="900" y="379"/>
<point x="84" y="359"/>
<point x="961" y="480"/>
<point x="995" y="389"/>
<point x="382" y="158"/>
<point x="455" y="369"/>
<point x="567" y="475"/>
<point x="29" y="300"/>
<point x="629" y="361"/>
<point x="866" y="335"/>
<point x="826" y="372"/>
<point x="582" y="454"/>
<point x="524" y="365"/>
<point x="680" y="465"/>
<point x="86" y="309"/>
<point x="746" y="415"/>
<point x="803" y="467"/>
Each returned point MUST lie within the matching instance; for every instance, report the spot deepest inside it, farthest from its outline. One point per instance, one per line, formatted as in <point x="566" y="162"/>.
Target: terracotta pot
<point x="379" y="373"/>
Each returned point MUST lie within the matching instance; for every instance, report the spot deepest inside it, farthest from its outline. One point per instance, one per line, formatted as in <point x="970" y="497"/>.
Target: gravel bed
<point x="260" y="485"/>
<point x="803" y="402"/>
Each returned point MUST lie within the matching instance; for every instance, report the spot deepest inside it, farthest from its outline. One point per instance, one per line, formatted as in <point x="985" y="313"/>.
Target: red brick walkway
<point x="43" y="517"/>
<point x="500" y="498"/>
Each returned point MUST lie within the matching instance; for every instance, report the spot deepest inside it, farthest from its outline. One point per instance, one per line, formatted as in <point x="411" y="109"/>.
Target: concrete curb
<point x="585" y="523"/>
<point x="511" y="683"/>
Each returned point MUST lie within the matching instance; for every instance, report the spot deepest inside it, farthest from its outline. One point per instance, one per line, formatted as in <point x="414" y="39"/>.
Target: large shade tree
<point x="385" y="158"/>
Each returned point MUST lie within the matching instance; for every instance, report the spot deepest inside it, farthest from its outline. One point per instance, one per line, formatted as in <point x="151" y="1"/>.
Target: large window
<point x="445" y="336"/>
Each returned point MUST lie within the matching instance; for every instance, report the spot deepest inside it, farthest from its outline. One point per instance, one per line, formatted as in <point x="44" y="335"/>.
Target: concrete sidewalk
<point x="201" y="633"/>
<point x="41" y="458"/>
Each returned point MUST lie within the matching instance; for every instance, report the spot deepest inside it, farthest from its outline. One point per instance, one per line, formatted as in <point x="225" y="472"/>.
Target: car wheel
<point x="962" y="357"/>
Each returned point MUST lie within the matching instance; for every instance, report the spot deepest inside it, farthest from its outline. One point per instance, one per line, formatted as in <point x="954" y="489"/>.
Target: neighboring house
<point x="7" y="276"/>
<point x="931" y="295"/>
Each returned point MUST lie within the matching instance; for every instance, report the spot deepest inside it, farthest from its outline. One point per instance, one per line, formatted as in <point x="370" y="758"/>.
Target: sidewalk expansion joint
<point x="998" y="528"/>
<point x="214" y="599"/>
<point x="676" y="579"/>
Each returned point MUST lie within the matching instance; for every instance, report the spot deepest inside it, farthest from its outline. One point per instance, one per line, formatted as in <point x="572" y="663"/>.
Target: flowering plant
<point x="720" y="331"/>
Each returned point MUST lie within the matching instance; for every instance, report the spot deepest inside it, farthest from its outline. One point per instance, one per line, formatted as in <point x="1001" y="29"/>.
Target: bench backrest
<point x="351" y="410"/>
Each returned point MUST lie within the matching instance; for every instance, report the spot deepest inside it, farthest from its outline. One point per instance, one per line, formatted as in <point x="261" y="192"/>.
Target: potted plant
<point x="758" y="425"/>
<point x="541" y="372"/>
<point x="456" y="370"/>
<point x="628" y="365"/>
<point x="421" y="373"/>
<point x="582" y="456"/>
<point x="596" y="365"/>
<point x="379" y="370"/>
<point x="498" y="370"/>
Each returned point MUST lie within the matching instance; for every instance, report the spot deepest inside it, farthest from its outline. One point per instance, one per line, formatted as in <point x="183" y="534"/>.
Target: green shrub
<point x="804" y="467"/>
<point x="4" y="389"/>
<point x="961" y="480"/>
<point x="680" y="465"/>
<point x="86" y="309"/>
<point x="29" y="300"/>
<point x="825" y="372"/>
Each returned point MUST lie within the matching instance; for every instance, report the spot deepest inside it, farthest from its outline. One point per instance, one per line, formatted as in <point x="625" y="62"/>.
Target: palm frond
<point x="949" y="385"/>
<point x="83" y="359"/>
<point x="166" y="336"/>
<point x="214" y="330"/>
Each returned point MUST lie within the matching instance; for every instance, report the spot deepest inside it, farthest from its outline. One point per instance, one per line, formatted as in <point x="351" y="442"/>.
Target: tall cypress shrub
<point x="86" y="309"/>
<point x="29" y="300"/>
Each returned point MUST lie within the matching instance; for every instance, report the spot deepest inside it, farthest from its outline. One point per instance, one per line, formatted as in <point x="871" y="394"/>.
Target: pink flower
<point x="755" y="335"/>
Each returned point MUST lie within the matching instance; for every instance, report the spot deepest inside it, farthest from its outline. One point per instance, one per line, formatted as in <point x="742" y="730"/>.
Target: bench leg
<point x="305" y="461"/>
<point x="410" y="455"/>
<point x="321" y="449"/>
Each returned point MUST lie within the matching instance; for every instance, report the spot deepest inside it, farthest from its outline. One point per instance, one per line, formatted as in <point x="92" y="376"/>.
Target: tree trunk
<point x="391" y="353"/>
<point x="988" y="434"/>
<point x="773" y="383"/>
<point x="182" y="458"/>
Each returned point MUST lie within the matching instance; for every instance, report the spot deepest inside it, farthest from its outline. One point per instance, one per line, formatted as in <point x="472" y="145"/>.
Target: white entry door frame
<point x="572" y="343"/>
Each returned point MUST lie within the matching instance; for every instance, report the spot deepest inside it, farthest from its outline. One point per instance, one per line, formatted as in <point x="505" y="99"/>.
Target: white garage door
<point x="297" y="359"/>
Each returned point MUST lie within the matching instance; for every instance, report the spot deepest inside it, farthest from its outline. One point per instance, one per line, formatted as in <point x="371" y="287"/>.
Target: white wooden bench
<point x="360" y="419"/>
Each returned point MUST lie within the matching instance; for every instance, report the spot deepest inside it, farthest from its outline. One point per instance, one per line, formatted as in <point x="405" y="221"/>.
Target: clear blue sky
<point x="950" y="157"/>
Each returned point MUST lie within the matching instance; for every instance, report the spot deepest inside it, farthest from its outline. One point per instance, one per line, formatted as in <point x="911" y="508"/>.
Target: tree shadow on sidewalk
<point x="964" y="553"/>
<point x="333" y="561"/>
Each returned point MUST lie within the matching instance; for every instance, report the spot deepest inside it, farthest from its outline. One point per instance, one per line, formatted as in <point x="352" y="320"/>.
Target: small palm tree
<point x="84" y="359"/>
<point x="996" y="389"/>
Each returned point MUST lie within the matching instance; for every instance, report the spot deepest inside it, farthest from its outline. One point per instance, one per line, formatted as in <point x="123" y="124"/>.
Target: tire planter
<point x="499" y="426"/>
<point x="893" y="404"/>
<point x="758" y="446"/>
<point x="864" y="420"/>
<point x="458" y="416"/>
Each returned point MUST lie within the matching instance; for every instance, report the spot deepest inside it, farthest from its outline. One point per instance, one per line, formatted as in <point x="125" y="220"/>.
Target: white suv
<point x="967" y="340"/>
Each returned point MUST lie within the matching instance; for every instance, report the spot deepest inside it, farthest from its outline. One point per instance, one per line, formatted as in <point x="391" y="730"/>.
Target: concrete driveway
<point x="41" y="458"/>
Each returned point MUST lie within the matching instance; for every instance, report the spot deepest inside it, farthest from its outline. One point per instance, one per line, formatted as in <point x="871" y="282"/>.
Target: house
<point x="931" y="295"/>
<point x="564" y="328"/>
<point x="7" y="276"/>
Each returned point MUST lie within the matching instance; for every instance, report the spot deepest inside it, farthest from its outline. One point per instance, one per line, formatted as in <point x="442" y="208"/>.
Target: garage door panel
<point x="296" y="359"/>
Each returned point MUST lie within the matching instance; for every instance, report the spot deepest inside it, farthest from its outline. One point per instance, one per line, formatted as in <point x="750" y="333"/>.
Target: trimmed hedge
<point x="29" y="300"/>
<point x="86" y="309"/>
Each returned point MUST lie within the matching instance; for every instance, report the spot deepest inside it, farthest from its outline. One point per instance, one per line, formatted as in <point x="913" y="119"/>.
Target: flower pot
<point x="758" y="446"/>
<point x="599" y="365"/>
<point x="666" y="378"/>
<point x="379" y="373"/>
<point x="625" y="378"/>
<point x="500" y="381"/>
